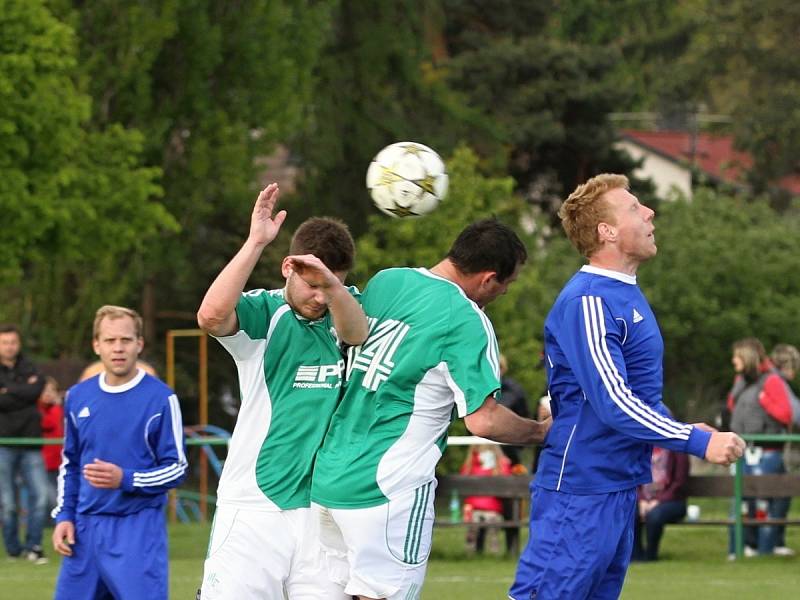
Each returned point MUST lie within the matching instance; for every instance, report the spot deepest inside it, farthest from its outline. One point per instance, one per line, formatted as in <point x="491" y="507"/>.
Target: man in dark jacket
<point x="20" y="386"/>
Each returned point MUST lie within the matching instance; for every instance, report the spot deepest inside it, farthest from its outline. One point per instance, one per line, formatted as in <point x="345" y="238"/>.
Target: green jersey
<point x="290" y="375"/>
<point x="431" y="353"/>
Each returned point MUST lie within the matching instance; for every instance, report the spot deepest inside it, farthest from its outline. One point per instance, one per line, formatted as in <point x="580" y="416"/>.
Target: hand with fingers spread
<point x="102" y="474"/>
<point x="217" y="313"/>
<point x="724" y="448"/>
<point x="264" y="225"/>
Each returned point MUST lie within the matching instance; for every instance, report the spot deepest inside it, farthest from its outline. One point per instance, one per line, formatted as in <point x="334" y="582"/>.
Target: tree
<point x="547" y="98"/>
<point x="374" y="85"/>
<point x="725" y="270"/>
<point x="77" y="203"/>
<point x="212" y="85"/>
<point x="746" y="60"/>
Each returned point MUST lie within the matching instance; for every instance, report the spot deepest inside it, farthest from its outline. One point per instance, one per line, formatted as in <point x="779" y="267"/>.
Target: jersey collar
<point x="623" y="277"/>
<point x="118" y="389"/>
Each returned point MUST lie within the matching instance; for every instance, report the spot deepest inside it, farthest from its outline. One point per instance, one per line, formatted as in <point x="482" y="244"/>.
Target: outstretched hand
<point x="313" y="271"/>
<point x="264" y="227"/>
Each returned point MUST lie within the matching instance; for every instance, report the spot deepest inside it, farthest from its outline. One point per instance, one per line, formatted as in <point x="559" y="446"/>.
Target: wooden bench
<point x="516" y="487"/>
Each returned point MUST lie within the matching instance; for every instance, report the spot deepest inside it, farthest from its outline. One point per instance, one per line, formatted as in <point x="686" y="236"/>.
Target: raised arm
<point x="217" y="313"/>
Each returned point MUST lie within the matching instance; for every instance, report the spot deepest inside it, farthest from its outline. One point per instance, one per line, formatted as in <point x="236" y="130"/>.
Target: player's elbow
<point x="480" y="423"/>
<point x="210" y="320"/>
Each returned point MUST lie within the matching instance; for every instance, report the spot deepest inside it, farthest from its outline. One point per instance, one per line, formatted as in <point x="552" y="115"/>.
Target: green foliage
<point x="40" y="115"/>
<point x="547" y="98"/>
<point x="725" y="270"/>
<point x="375" y="84"/>
<point x="647" y="35"/>
<point x="747" y="60"/>
<point x="90" y="93"/>
<point x="77" y="204"/>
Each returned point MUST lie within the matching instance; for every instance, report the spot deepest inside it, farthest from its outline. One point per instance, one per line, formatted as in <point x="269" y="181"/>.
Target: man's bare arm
<point x="496" y="422"/>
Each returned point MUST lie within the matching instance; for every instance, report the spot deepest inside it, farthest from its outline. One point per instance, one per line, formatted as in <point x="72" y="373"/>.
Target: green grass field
<point x="693" y="565"/>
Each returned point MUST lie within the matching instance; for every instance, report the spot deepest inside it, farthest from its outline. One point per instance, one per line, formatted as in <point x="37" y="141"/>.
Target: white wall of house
<point x="667" y="175"/>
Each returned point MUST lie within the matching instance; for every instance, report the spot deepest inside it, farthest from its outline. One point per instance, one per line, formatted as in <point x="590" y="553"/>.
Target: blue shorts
<point x="579" y="546"/>
<point x="117" y="557"/>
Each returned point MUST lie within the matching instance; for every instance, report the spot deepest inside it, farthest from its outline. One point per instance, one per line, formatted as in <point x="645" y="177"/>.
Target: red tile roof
<point x="713" y="154"/>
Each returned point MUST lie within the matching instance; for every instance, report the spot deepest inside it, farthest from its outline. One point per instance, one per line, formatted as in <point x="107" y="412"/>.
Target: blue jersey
<point x="138" y="427"/>
<point x="603" y="355"/>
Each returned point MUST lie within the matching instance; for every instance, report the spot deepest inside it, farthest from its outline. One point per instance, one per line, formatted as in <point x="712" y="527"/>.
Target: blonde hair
<point x="586" y="208"/>
<point x="786" y="356"/>
<point x="752" y="353"/>
<point x="116" y="312"/>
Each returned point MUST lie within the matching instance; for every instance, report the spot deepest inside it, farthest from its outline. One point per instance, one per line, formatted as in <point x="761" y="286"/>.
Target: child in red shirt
<point x="52" y="413"/>
<point x="484" y="460"/>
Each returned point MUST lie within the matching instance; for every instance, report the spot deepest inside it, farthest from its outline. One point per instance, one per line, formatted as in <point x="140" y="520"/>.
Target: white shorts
<point x="266" y="556"/>
<point x="380" y="552"/>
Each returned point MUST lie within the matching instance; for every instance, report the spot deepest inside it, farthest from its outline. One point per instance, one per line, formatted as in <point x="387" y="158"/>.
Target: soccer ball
<point x="407" y="179"/>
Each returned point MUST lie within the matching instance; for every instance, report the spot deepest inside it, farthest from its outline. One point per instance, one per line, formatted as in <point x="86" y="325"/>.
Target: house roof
<point x="713" y="154"/>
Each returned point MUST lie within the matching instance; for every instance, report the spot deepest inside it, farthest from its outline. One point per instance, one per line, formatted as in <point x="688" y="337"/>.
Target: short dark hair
<point x="326" y="238"/>
<point x="488" y="245"/>
<point x="9" y="328"/>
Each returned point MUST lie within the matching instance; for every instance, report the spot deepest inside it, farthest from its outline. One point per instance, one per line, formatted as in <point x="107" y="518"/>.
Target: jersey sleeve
<point x="164" y="438"/>
<point x="472" y="359"/>
<point x="253" y="311"/>
<point x="591" y="340"/>
<point x="69" y="471"/>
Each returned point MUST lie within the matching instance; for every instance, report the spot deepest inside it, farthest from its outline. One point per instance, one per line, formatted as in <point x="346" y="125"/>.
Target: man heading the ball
<point x="285" y="343"/>
<point x="431" y="353"/>
<point x="603" y="355"/>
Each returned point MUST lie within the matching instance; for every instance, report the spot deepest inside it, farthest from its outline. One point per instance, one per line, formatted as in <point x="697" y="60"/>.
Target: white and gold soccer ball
<point x="407" y="179"/>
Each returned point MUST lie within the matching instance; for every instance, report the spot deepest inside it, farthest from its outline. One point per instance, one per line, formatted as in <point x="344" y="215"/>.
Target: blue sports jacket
<point x="603" y="355"/>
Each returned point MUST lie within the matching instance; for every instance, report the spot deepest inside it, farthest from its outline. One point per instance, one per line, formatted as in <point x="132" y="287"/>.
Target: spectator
<point x="484" y="460"/>
<point x="20" y="386"/>
<point x="786" y="359"/>
<point x="123" y="449"/>
<point x="660" y="502"/>
<point x="512" y="396"/>
<point x="759" y="403"/>
<point x="52" y="413"/>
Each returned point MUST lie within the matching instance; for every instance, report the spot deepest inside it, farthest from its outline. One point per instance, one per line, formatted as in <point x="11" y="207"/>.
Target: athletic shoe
<point x="750" y="552"/>
<point x="732" y="556"/>
<point x="36" y="556"/>
<point x="783" y="551"/>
